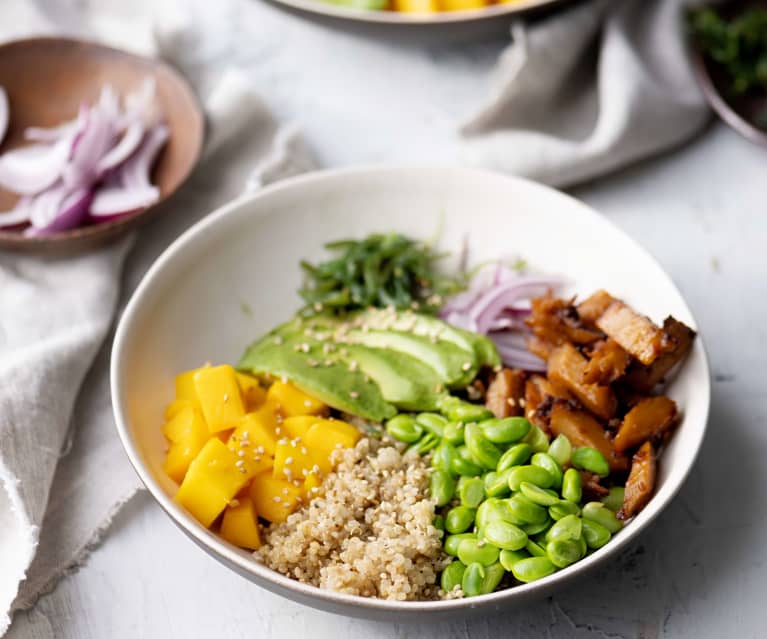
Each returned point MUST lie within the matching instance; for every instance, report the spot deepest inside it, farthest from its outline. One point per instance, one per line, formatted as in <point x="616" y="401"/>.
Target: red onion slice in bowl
<point x="114" y="202"/>
<point x="4" y="114"/>
<point x="32" y="169"/>
<point x="130" y="141"/>
<point x="72" y="212"/>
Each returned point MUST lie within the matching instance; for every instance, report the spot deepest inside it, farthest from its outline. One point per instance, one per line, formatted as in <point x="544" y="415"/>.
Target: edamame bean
<point x="473" y="576"/>
<point x="537" y="439"/>
<point x="425" y="444"/>
<point x="505" y="431"/>
<point x="463" y="464"/>
<point x="497" y="484"/>
<point x="532" y="568"/>
<point x="474" y="550"/>
<point x="534" y="529"/>
<point x="493" y="575"/>
<point x="562" y="509"/>
<point x="592" y="460"/>
<point x="483" y="452"/>
<point x="452" y="541"/>
<point x="596" y="535"/>
<point x="441" y="486"/>
<point x="568" y="527"/>
<point x="439" y="522"/>
<point x="453" y="433"/>
<point x="459" y="519"/>
<point x="546" y="461"/>
<point x="404" y="428"/>
<point x="457" y="410"/>
<point x="471" y="491"/>
<point x="572" y="487"/>
<point x="596" y="511"/>
<point x="452" y="575"/>
<point x="514" y="456"/>
<point x="504" y="535"/>
<point x="509" y="557"/>
<point x="495" y="509"/>
<point x="432" y="423"/>
<point x="443" y="457"/>
<point x="540" y="496"/>
<point x="525" y="510"/>
<point x="531" y="474"/>
<point x="561" y="449"/>
<point x="563" y="552"/>
<point x="535" y="549"/>
<point x="614" y="500"/>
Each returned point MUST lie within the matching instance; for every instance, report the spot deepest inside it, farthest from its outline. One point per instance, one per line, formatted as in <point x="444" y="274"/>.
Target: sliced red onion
<point x="516" y="358"/>
<point x="50" y="134"/>
<point x="137" y="170"/>
<point x="93" y="142"/>
<point x="4" y="114"/>
<point x="497" y="298"/>
<point x="130" y="141"/>
<point x="115" y="201"/>
<point x="32" y="169"/>
<point x="71" y="213"/>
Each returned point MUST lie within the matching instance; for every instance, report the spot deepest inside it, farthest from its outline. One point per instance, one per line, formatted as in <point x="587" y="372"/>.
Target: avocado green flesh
<point x="403" y="380"/>
<point x="329" y="381"/>
<point x="485" y="350"/>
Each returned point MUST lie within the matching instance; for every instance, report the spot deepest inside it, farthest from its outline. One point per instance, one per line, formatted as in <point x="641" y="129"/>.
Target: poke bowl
<point x="255" y="398"/>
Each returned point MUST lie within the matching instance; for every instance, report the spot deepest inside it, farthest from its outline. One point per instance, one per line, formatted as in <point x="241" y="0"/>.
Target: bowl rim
<point x="245" y="564"/>
<point x="91" y="233"/>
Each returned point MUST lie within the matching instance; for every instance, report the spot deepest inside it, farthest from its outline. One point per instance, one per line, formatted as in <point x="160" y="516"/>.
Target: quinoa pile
<point x="370" y="533"/>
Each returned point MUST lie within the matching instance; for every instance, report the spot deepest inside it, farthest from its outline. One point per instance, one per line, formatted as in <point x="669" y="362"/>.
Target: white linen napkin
<point x="578" y="94"/>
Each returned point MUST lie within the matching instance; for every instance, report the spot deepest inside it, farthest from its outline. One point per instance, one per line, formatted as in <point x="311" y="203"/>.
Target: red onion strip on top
<point x="4" y="114"/>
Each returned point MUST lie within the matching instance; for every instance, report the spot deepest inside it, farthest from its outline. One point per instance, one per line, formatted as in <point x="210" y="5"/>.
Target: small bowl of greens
<point x="406" y="394"/>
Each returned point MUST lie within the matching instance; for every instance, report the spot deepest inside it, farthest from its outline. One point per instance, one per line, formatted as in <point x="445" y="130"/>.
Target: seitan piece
<point x="608" y="362"/>
<point x="506" y="393"/>
<point x="591" y="309"/>
<point x="645" y="378"/>
<point x="649" y="419"/>
<point x="641" y="481"/>
<point x="636" y="333"/>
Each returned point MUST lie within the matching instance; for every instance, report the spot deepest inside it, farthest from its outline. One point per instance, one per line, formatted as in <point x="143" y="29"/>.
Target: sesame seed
<point x="288" y="461"/>
<point x="439" y="388"/>
<point x="234" y="503"/>
<point x="317" y="307"/>
<point x="308" y="403"/>
<point x="522" y="402"/>
<point x="239" y="463"/>
<point x="353" y="365"/>
<point x="243" y="470"/>
<point x="226" y="397"/>
<point x="304" y="451"/>
<point x="312" y="363"/>
<point x="277" y="340"/>
<point x="354" y="394"/>
<point x="339" y="445"/>
<point x="240" y="453"/>
<point x="285" y="491"/>
<point x="260" y="450"/>
<point x="276" y="499"/>
<point x="277" y="430"/>
<point x="466" y="366"/>
<point x="304" y="472"/>
<point x="511" y="401"/>
<point x="315" y="468"/>
<point x="315" y="489"/>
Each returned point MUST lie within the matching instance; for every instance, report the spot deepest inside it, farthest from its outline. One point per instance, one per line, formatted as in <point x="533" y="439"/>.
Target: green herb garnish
<point x="381" y="271"/>
<point x="738" y="45"/>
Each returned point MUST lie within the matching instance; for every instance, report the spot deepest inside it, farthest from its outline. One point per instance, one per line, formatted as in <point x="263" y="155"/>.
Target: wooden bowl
<point x="47" y="79"/>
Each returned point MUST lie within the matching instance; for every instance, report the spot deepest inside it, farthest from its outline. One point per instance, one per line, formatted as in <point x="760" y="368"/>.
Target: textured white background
<point x="700" y="571"/>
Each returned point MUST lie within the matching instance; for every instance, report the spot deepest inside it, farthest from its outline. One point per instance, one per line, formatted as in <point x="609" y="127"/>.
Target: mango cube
<point x="312" y="486"/>
<point x="186" y="423"/>
<point x="330" y="434"/>
<point x="213" y="479"/>
<point x="219" y="396"/>
<point x="292" y="460"/>
<point x="175" y="407"/>
<point x="274" y="499"/>
<point x="291" y="401"/>
<point x="252" y="393"/>
<point x="239" y="525"/>
<point x="298" y="426"/>
<point x="185" y="385"/>
<point x="255" y="435"/>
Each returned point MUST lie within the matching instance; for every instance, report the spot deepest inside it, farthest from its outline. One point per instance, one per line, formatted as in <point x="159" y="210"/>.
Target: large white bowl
<point x="193" y="306"/>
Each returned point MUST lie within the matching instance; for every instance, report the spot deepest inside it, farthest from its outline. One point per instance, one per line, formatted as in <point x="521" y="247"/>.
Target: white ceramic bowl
<point x="189" y="309"/>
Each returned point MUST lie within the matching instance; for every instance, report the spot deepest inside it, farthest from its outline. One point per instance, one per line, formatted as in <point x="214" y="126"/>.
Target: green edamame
<point x="497" y="484"/>
<point x="453" y="433"/>
<point x="537" y="495"/>
<point x="452" y="541"/>
<point x="463" y="464"/>
<point x="439" y="522"/>
<point x="432" y="423"/>
<point x="532" y="568"/>
<point x="472" y="580"/>
<point x="563" y="552"/>
<point x="493" y="575"/>
<point x="596" y="535"/>
<point x="493" y="509"/>
<point x="459" y="519"/>
<point x="514" y="456"/>
<point x="483" y="452"/>
<point x="534" y="529"/>
<point x="592" y="460"/>
<point x="572" y="487"/>
<point x="441" y="486"/>
<point x="535" y="549"/>
<point x="562" y="509"/>
<point x="404" y="428"/>
<point x="531" y="474"/>
<point x="443" y="457"/>
<point x="505" y="431"/>
<point x="526" y="511"/>
<point x="504" y="535"/>
<point x="614" y="499"/>
<point x="428" y="442"/>
<point x="476" y="551"/>
<point x="548" y="463"/>
<point x="537" y="439"/>
<point x="471" y="491"/>
<point x="568" y="527"/>
<point x="457" y="410"/>
<point x="598" y="512"/>
<point x="452" y="575"/>
<point x="509" y="557"/>
<point x="561" y="450"/>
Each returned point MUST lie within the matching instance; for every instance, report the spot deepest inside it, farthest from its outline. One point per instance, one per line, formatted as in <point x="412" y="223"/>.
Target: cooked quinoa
<point x="369" y="533"/>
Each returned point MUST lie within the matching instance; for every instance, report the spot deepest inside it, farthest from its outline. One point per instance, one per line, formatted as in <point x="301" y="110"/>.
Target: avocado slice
<point x="403" y="380"/>
<point x="288" y="353"/>
<point x="454" y="366"/>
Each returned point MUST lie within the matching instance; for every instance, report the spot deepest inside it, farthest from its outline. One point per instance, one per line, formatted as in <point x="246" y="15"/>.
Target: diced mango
<point x="213" y="479"/>
<point x="329" y="434"/>
<point x="219" y="396"/>
<point x="312" y="485"/>
<point x="185" y="385"/>
<point x="274" y="499"/>
<point x="252" y="393"/>
<point x="174" y="408"/>
<point x="181" y="454"/>
<point x="297" y="426"/>
<point x="291" y="401"/>
<point x="254" y="433"/>
<point x="462" y="5"/>
<point x="416" y="6"/>
<point x="185" y="424"/>
<point x="224" y="435"/>
<point x="292" y="460"/>
<point x="239" y="525"/>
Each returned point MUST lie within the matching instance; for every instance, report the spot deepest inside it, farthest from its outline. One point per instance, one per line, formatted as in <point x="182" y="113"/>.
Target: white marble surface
<point x="700" y="570"/>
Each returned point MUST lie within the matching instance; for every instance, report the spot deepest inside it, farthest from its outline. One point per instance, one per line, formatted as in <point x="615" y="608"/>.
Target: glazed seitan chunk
<point x="641" y="481"/>
<point x="556" y="321"/>
<point x="645" y="378"/>
<point x="592" y="308"/>
<point x="506" y="393"/>
<point x="607" y="363"/>
<point x="649" y="419"/>
<point x="634" y="332"/>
